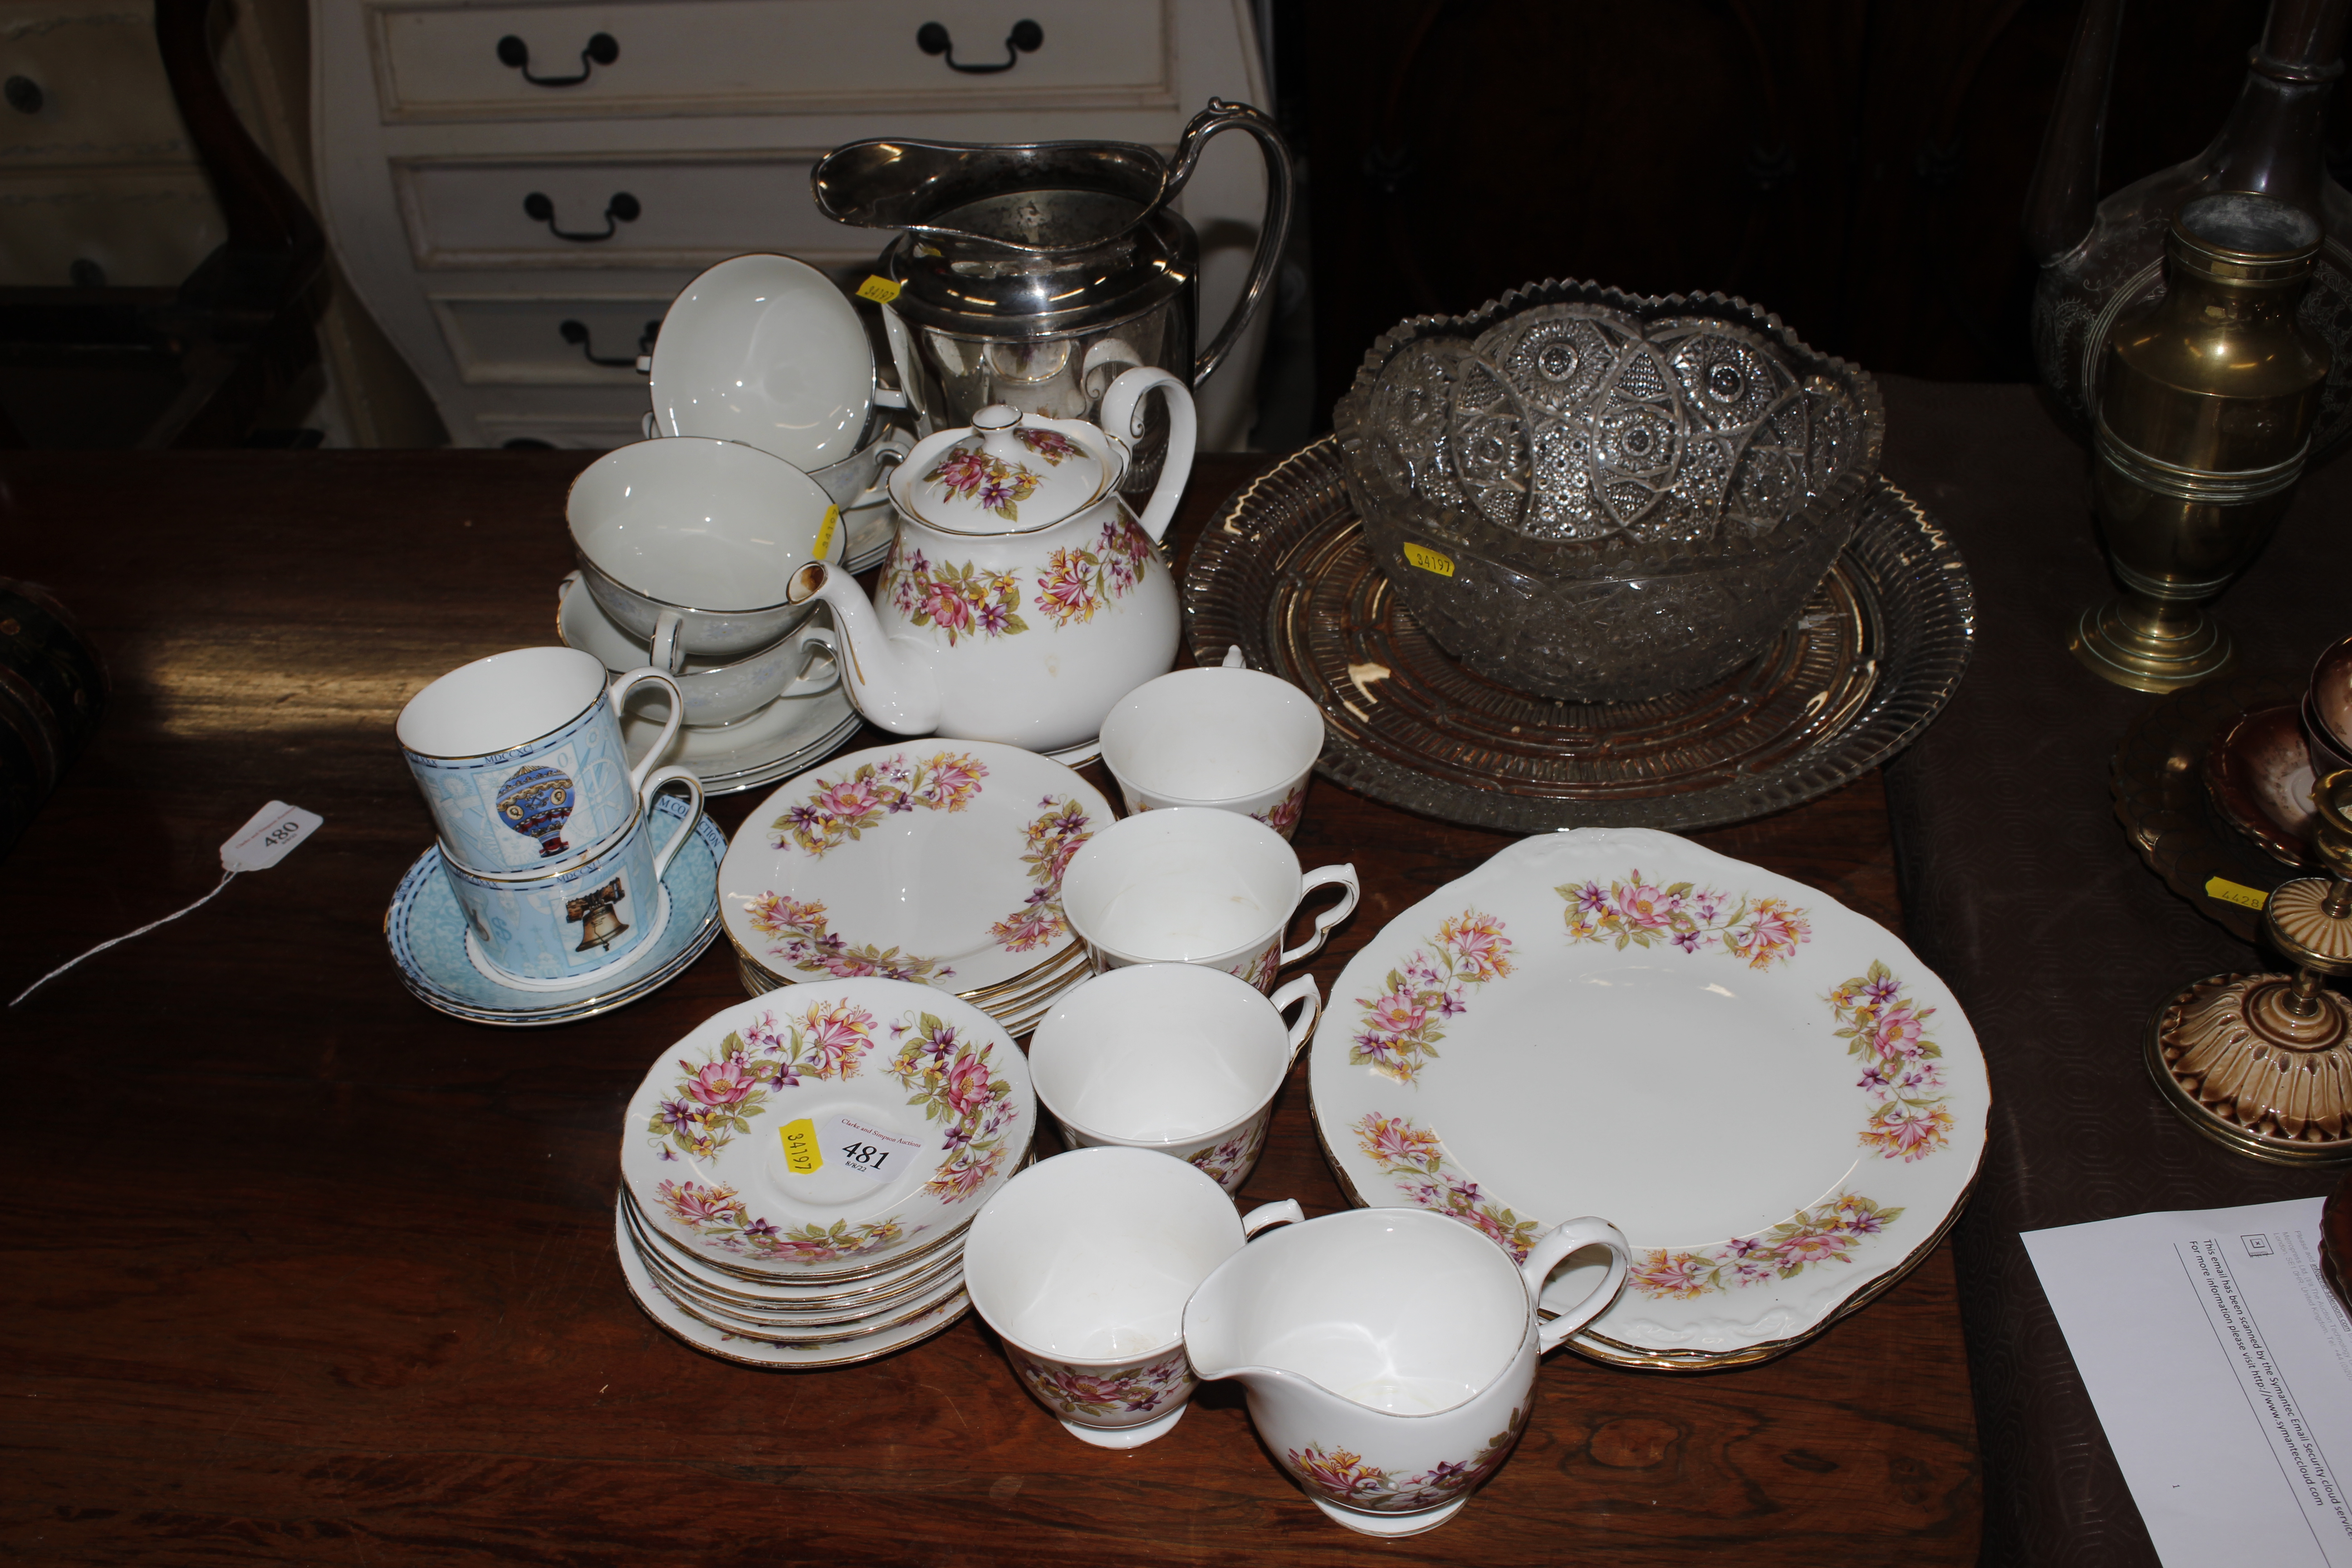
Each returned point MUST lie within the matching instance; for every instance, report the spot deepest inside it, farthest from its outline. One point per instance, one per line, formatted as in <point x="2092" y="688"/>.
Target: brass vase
<point x="2203" y="422"/>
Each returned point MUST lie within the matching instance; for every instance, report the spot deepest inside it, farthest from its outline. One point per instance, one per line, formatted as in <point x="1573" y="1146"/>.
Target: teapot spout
<point x="888" y="684"/>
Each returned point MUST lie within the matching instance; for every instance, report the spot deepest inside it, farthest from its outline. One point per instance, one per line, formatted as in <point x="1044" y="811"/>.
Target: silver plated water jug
<point x="1035" y="275"/>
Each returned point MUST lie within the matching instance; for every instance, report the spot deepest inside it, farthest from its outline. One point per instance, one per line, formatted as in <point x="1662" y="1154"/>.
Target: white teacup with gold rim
<point x="1083" y="1265"/>
<point x="1196" y="885"/>
<point x="691" y="544"/>
<point x="1171" y="1058"/>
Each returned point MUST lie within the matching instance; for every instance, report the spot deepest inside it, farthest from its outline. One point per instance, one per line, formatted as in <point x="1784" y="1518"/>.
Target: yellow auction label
<point x="802" y="1155"/>
<point x="1429" y="560"/>
<point x="825" y="531"/>
<point x="2231" y="892"/>
<point x="881" y="290"/>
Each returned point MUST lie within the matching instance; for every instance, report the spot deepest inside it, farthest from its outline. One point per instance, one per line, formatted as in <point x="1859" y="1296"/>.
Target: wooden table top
<point x="301" y="1271"/>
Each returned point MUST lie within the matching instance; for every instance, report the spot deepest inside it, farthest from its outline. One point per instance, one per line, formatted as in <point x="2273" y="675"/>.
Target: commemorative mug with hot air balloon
<point x="520" y="758"/>
<point x="551" y="931"/>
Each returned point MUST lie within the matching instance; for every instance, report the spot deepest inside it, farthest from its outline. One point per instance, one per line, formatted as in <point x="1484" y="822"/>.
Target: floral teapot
<point x="1021" y="599"/>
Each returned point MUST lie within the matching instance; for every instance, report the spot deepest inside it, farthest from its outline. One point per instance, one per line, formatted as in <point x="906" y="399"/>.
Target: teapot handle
<point x="1222" y="116"/>
<point x="1123" y="418"/>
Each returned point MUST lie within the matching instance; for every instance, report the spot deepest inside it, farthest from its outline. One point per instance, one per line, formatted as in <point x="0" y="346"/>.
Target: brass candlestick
<point x="2204" y="416"/>
<point x="2264" y="1062"/>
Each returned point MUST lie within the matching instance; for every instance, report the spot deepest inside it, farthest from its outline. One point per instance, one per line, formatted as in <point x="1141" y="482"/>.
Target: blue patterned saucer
<point x="425" y="930"/>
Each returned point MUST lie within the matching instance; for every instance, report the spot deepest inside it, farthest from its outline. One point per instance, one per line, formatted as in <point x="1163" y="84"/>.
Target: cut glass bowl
<point x="1603" y="496"/>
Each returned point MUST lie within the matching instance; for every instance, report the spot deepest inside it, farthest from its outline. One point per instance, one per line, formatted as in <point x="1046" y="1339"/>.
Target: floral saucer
<point x="832" y="1325"/>
<point x="933" y="861"/>
<point x="750" y="1351"/>
<point x="671" y="1262"/>
<point x="1774" y="1100"/>
<point x="828" y="1130"/>
<point x="1019" y="1010"/>
<point x="426" y="931"/>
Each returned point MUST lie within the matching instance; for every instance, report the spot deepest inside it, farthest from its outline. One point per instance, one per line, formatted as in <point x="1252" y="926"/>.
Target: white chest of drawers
<point x="517" y="238"/>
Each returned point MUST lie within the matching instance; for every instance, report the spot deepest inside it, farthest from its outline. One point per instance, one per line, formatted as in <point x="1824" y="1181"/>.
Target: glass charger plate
<point x="1281" y="570"/>
<point x="1776" y="1101"/>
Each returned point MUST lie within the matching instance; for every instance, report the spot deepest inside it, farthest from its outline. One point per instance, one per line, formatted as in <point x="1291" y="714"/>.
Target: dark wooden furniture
<point x="193" y="366"/>
<point x="301" y="1271"/>
<point x="1861" y="169"/>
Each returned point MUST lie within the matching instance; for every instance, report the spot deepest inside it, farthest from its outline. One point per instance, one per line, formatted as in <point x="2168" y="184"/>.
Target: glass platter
<point x="1281" y="570"/>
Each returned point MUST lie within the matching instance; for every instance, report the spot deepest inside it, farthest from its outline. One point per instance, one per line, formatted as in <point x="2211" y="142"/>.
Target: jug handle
<point x="1222" y="116"/>
<point x="1286" y="1212"/>
<point x="1123" y="418"/>
<point x="1550" y="1248"/>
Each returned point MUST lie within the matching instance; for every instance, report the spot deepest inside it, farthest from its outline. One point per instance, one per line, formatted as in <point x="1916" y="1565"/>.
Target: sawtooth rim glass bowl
<point x="1603" y="496"/>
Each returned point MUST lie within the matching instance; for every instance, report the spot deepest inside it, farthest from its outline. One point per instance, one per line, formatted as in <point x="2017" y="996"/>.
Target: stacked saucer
<point x="935" y="862"/>
<point x="798" y="1174"/>
<point x="794" y="731"/>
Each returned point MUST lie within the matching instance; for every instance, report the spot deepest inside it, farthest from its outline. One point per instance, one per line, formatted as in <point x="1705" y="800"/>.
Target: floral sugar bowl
<point x="1020" y="599"/>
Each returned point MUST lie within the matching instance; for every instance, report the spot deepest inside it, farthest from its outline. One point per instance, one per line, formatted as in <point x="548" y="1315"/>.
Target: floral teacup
<point x="1193" y="884"/>
<point x="1083" y="1264"/>
<point x="1228" y="738"/>
<point x="1171" y="1058"/>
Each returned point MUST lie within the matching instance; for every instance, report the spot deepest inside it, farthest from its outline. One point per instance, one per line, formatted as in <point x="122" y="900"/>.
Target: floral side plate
<point x="933" y="861"/>
<point x="1773" y="1099"/>
<point x="822" y="1131"/>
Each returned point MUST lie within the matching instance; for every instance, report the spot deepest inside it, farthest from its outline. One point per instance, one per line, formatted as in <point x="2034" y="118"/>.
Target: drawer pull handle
<point x="575" y="332"/>
<point x="24" y="95"/>
<point x="602" y="50"/>
<point x="932" y="39"/>
<point x="623" y="208"/>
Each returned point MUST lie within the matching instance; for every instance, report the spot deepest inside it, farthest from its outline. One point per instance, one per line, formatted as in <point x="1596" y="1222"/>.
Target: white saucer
<point x="788" y="736"/>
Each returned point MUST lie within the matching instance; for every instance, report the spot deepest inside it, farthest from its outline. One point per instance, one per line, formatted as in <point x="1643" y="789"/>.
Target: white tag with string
<point x="261" y="843"/>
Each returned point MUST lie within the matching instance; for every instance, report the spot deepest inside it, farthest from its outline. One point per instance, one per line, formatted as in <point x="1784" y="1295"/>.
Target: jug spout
<point x="2064" y="195"/>
<point x="890" y="684"/>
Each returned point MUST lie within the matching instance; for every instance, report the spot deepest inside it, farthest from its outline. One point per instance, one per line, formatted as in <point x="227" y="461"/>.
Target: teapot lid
<point x="1006" y="472"/>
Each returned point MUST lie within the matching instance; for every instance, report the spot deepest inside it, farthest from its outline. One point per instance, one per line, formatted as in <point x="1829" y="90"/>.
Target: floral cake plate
<point x="822" y="1131"/>
<point x="1774" y="1100"/>
<point x="937" y="862"/>
<point x="426" y="928"/>
<point x="749" y="1350"/>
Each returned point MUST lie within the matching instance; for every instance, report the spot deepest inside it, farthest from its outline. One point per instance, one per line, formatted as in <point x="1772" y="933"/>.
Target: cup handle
<point x="1304" y="990"/>
<point x="1344" y="878"/>
<point x="563" y="592"/>
<point x="621" y="686"/>
<point x="1119" y="417"/>
<point x="813" y="638"/>
<point x="885" y="462"/>
<point x="1545" y="1256"/>
<point x="1286" y="1212"/>
<point x="666" y="653"/>
<point x="654" y="784"/>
